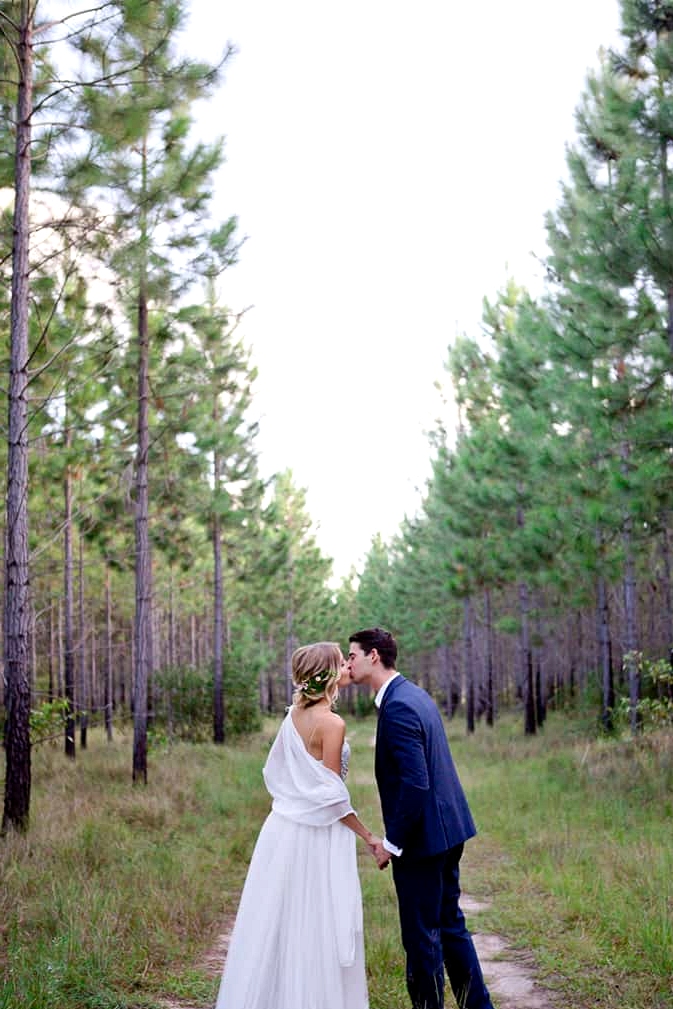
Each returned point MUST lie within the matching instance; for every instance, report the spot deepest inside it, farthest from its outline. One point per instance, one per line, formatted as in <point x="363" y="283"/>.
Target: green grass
<point x="116" y="894"/>
<point x="576" y="853"/>
<point x="116" y="890"/>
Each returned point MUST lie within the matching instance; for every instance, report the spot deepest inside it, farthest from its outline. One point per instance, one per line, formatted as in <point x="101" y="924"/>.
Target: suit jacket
<point x="424" y="807"/>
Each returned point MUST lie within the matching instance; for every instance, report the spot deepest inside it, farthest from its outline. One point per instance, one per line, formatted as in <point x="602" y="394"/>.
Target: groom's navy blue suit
<point x="426" y="814"/>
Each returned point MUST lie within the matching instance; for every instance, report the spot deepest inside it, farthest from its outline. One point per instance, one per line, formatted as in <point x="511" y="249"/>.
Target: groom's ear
<point x="374" y="656"/>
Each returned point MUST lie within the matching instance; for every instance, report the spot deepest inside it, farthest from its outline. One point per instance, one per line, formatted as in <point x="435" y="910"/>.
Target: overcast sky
<point x="390" y="164"/>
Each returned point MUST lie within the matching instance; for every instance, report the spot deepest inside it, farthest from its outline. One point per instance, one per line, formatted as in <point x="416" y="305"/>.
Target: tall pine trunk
<point x="289" y="638"/>
<point x="289" y="635"/>
<point x="446" y="678"/>
<point x="668" y="600"/>
<point x="143" y="574"/>
<point x="469" y="664"/>
<point x="605" y="654"/>
<point x="541" y="686"/>
<point x="527" y="678"/>
<point x="490" y="684"/>
<point x="630" y="628"/>
<point x="83" y="693"/>
<point x="68" y="604"/>
<point x="192" y="641"/>
<point x="17" y="602"/>
<point x="218" y="622"/>
<point x="526" y="661"/>
<point x="108" y="695"/>
<point x="60" y="671"/>
<point x="51" y="668"/>
<point x="630" y="608"/>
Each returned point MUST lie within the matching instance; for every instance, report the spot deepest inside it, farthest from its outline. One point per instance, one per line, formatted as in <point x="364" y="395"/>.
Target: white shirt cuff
<point x="392" y="848"/>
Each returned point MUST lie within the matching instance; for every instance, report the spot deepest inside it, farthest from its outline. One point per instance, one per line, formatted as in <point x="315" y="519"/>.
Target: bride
<point x="298" y="939"/>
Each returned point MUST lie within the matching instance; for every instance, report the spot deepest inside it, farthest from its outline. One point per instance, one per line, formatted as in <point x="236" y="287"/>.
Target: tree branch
<point x="5" y="17"/>
<point x="69" y="17"/>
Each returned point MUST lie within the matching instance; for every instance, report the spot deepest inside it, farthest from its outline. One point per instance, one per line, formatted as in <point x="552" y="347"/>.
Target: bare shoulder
<point x="333" y="725"/>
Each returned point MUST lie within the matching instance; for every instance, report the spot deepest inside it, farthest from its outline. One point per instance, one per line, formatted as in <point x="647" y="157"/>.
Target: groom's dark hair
<point x="382" y="641"/>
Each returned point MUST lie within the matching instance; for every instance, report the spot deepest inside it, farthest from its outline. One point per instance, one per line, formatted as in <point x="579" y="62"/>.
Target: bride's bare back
<point x="323" y="733"/>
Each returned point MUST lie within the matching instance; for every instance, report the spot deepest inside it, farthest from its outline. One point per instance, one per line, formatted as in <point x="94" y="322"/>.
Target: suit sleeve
<point x="406" y="740"/>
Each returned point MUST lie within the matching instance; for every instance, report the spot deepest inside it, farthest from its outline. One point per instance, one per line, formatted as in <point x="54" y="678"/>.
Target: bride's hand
<point x="381" y="855"/>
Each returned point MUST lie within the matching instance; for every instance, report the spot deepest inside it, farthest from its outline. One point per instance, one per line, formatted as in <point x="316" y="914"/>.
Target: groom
<point x="427" y="820"/>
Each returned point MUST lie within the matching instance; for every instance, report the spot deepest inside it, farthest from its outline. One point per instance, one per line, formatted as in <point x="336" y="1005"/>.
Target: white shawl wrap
<point x="306" y="792"/>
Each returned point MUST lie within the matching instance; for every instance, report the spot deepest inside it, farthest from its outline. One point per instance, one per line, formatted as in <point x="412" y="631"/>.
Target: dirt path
<point x="508" y="973"/>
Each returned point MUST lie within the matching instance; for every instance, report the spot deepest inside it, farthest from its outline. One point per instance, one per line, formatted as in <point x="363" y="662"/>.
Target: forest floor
<point x="509" y="973"/>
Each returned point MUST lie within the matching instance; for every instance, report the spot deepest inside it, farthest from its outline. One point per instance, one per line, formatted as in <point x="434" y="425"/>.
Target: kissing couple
<point x="298" y="942"/>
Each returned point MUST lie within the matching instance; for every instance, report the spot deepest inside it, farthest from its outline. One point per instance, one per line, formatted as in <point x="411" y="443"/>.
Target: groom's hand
<point x="380" y="854"/>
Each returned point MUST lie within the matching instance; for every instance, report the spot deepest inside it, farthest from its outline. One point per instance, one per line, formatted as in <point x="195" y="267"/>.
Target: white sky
<point x="390" y="163"/>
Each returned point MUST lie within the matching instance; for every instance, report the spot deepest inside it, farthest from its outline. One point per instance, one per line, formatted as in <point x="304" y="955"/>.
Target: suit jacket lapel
<point x="390" y="689"/>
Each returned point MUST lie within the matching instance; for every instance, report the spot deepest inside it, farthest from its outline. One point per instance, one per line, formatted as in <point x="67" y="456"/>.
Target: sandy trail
<point x="508" y="973"/>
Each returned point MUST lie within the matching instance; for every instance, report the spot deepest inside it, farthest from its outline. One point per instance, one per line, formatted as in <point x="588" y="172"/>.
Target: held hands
<point x="382" y="856"/>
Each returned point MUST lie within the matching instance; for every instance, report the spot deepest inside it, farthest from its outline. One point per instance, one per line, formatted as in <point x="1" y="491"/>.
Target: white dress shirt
<point x="388" y="845"/>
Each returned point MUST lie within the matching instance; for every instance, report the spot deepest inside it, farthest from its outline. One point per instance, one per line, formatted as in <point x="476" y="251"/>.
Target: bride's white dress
<point x="298" y="938"/>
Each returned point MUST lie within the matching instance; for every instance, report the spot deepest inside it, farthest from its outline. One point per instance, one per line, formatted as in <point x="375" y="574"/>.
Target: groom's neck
<point x="381" y="676"/>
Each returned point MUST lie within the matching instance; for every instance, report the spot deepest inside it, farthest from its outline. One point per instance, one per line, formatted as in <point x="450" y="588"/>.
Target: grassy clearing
<point x="116" y="894"/>
<point x="576" y="852"/>
<point x="116" y="890"/>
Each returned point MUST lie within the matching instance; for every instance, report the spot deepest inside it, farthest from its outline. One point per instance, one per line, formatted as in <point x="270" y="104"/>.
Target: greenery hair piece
<point x="317" y="684"/>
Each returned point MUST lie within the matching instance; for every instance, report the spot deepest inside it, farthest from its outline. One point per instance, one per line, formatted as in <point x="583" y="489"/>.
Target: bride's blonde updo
<point x="315" y="673"/>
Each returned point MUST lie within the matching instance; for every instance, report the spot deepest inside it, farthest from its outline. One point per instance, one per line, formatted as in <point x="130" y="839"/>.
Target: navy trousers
<point x="434" y="934"/>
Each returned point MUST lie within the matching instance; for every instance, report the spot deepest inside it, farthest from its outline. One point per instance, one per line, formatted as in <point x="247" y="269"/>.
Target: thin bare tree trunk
<point x="218" y="623"/>
<point x="171" y="619"/>
<point x="668" y="599"/>
<point x="33" y="653"/>
<point x="109" y="683"/>
<point x="527" y="679"/>
<point x="262" y="682"/>
<point x="630" y="608"/>
<point x="143" y="630"/>
<point x="446" y="678"/>
<point x="526" y="661"/>
<point x="68" y="593"/>
<point x="605" y="654"/>
<point x="52" y="652"/>
<point x="218" y="628"/>
<point x="17" y="603"/>
<point x="289" y="638"/>
<point x="271" y="687"/>
<point x="60" y="672"/>
<point x="289" y="630"/>
<point x="540" y="675"/>
<point x="94" y="700"/>
<point x="83" y="699"/>
<point x="143" y="574"/>
<point x="469" y="663"/>
<point x="631" y="632"/>
<point x="490" y="686"/>
<point x="172" y="663"/>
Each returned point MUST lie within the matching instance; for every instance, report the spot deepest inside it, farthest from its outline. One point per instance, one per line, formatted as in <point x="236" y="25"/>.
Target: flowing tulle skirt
<point x="283" y="952"/>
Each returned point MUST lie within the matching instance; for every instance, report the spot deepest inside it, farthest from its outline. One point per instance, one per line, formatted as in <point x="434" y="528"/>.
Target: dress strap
<point x="310" y="738"/>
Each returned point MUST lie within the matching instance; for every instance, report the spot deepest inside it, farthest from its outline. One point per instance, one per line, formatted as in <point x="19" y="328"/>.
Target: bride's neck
<point x="322" y="703"/>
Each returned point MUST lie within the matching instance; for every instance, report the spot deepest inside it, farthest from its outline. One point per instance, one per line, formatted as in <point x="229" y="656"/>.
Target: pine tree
<point x="158" y="185"/>
<point x="610" y="335"/>
<point x="216" y="380"/>
<point x="16" y="610"/>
